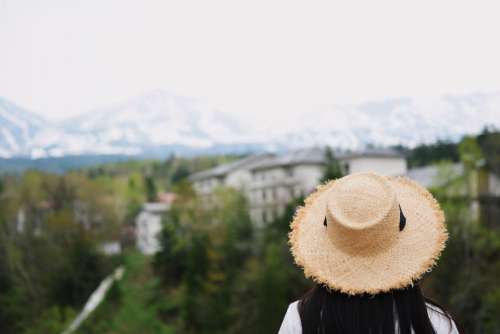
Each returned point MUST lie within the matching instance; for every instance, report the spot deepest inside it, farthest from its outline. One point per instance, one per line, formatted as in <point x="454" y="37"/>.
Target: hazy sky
<point x="63" y="57"/>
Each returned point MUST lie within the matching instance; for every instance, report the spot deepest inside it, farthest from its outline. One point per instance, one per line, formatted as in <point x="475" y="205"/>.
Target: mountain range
<point x="160" y="123"/>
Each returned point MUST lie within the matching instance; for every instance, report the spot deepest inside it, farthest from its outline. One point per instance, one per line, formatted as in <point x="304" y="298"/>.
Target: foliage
<point x="165" y="173"/>
<point x="426" y="154"/>
<point x="202" y="251"/>
<point x="52" y="320"/>
<point x="332" y="168"/>
<point x="133" y="304"/>
<point x="50" y="228"/>
<point x="489" y="141"/>
<point x="227" y="276"/>
<point x="151" y="190"/>
<point x="466" y="280"/>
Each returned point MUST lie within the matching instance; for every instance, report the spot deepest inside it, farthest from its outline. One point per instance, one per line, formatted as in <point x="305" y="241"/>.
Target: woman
<point x="366" y="240"/>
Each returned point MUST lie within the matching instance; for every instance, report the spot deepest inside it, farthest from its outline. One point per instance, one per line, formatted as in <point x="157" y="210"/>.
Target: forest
<point x="216" y="272"/>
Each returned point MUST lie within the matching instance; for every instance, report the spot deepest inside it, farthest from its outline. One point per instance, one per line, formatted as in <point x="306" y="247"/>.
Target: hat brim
<point x="415" y="251"/>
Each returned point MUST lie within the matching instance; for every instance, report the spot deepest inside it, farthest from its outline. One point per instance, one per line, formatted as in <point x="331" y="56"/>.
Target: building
<point x="235" y="174"/>
<point x="277" y="180"/>
<point x="382" y="161"/>
<point x="271" y="181"/>
<point x="148" y="225"/>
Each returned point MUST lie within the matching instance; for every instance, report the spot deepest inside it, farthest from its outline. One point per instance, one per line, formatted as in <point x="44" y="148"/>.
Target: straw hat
<point x="368" y="233"/>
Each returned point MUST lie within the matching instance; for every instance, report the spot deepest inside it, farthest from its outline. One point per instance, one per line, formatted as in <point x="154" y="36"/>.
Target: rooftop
<point x="372" y="153"/>
<point x="315" y="155"/>
<point x="224" y="169"/>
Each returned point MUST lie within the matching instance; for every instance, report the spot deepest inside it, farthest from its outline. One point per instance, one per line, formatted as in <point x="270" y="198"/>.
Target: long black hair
<point x="325" y="311"/>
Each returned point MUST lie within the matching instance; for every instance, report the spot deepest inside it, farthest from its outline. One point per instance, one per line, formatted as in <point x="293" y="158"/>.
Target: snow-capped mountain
<point x="161" y="122"/>
<point x="156" y="123"/>
<point x="156" y="119"/>
<point x="397" y="121"/>
<point x="18" y="127"/>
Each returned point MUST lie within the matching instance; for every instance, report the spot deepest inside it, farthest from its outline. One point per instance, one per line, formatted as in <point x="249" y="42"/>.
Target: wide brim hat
<point x="368" y="233"/>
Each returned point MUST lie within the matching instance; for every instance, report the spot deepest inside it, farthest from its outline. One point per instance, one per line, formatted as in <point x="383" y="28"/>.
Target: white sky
<point x="64" y="57"/>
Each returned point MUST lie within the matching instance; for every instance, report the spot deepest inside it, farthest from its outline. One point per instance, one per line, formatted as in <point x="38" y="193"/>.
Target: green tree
<point x="489" y="141"/>
<point x="426" y="154"/>
<point x="203" y="254"/>
<point x="151" y="191"/>
<point x="49" y="266"/>
<point x="272" y="279"/>
<point x="466" y="280"/>
<point x="180" y="173"/>
<point x="332" y="166"/>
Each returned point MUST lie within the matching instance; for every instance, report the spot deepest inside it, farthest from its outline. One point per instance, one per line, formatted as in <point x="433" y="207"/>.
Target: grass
<point x="131" y="306"/>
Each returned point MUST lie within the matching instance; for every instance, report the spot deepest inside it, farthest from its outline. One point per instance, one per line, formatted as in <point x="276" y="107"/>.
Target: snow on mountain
<point x="398" y="121"/>
<point x="162" y="122"/>
<point x="17" y="129"/>
<point x="158" y="119"/>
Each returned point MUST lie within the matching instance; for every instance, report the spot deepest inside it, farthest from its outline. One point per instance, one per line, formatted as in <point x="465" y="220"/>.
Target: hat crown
<point x="362" y="213"/>
<point x="361" y="200"/>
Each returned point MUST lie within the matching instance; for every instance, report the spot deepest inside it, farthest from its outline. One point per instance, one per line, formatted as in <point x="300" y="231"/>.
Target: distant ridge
<point x="160" y="123"/>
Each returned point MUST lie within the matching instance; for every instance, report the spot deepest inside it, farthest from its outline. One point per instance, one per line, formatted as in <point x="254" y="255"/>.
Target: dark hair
<point x="325" y="311"/>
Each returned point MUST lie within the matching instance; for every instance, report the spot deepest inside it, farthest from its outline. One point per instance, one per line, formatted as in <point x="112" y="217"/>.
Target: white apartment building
<point x="276" y="181"/>
<point x="382" y="161"/>
<point x="235" y="174"/>
<point x="271" y="181"/>
<point x="148" y="225"/>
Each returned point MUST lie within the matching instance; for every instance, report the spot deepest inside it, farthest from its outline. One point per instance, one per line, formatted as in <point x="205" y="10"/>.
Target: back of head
<point x="400" y="311"/>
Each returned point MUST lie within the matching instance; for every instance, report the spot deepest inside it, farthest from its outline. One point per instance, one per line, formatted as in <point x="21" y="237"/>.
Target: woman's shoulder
<point x="291" y="323"/>
<point x="294" y="305"/>
<point x="441" y="322"/>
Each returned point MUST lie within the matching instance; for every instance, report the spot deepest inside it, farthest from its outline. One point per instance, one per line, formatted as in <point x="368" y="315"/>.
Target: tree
<point x="180" y="172"/>
<point x="332" y="168"/>
<point x="489" y="141"/>
<point x="466" y="280"/>
<point x="50" y="267"/>
<point x="151" y="191"/>
<point x="426" y="154"/>
<point x="204" y="250"/>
